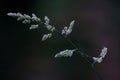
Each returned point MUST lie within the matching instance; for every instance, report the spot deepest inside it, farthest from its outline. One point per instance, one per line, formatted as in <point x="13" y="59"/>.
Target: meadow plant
<point x="35" y="24"/>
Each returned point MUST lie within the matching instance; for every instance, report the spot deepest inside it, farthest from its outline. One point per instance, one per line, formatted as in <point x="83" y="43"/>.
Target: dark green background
<point x="24" y="57"/>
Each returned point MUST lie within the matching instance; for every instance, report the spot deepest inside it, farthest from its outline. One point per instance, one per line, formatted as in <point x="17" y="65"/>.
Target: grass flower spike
<point x="36" y="22"/>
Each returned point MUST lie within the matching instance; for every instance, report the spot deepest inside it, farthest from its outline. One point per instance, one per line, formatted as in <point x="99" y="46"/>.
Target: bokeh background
<point x="24" y="57"/>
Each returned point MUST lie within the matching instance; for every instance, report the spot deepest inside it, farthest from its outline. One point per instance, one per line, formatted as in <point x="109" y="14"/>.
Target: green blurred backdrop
<point x="24" y="57"/>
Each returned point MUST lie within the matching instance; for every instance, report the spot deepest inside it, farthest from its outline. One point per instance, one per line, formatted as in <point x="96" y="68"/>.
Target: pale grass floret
<point x="46" y="36"/>
<point x="19" y="14"/>
<point x="68" y="30"/>
<point x="104" y="52"/>
<point x="72" y="24"/>
<point x="26" y="16"/>
<point x="35" y="18"/>
<point x="47" y="20"/>
<point x="47" y="25"/>
<point x="12" y="14"/>
<point x="98" y="60"/>
<point x="64" y="30"/>
<point x="50" y="27"/>
<point x="65" y="53"/>
<point x="34" y="27"/>
<point x="102" y="55"/>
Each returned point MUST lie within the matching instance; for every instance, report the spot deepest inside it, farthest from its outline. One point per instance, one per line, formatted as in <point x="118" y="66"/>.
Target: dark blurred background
<point x="24" y="57"/>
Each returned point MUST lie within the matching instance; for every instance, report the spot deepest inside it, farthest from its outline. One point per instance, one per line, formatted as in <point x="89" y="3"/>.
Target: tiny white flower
<point x="33" y="27"/>
<point x="46" y="36"/>
<point x="68" y="31"/>
<point x="72" y="24"/>
<point x="98" y="60"/>
<point x="65" y="53"/>
<point x="27" y="16"/>
<point x="35" y="18"/>
<point x="19" y="14"/>
<point x="104" y="52"/>
<point x="33" y="15"/>
<point x="64" y="30"/>
<point x="47" y="20"/>
<point x="11" y="14"/>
